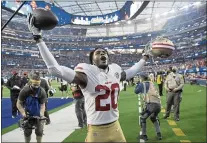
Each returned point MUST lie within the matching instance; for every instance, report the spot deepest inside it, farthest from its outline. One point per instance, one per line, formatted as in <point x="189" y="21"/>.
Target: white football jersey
<point x="101" y="93"/>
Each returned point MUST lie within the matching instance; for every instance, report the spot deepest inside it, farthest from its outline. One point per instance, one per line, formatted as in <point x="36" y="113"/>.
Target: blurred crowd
<point x="179" y="23"/>
<point x="187" y="31"/>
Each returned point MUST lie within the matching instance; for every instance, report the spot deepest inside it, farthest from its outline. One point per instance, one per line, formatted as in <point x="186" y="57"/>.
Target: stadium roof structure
<point x="152" y="18"/>
<point x="155" y="12"/>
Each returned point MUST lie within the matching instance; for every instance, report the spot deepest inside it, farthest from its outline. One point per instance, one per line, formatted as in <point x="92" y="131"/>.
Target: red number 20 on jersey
<point x="108" y="93"/>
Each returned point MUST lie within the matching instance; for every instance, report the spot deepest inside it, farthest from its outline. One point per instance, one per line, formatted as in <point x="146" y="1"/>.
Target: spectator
<point x="14" y="84"/>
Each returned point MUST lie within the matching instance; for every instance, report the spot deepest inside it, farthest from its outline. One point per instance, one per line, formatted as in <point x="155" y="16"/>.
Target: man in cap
<point x="151" y="105"/>
<point x="14" y="84"/>
<point x="31" y="103"/>
<point x="25" y="78"/>
<point x="174" y="84"/>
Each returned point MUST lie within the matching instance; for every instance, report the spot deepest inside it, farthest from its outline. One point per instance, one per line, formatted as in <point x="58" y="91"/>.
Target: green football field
<point x="190" y="128"/>
<point x="192" y="118"/>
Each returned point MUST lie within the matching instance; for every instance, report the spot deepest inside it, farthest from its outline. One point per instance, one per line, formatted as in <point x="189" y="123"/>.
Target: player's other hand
<point x="146" y="54"/>
<point x="147" y="51"/>
<point x="35" y="31"/>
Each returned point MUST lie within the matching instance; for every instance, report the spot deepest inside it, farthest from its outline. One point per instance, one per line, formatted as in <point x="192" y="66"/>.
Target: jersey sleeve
<point x="90" y="73"/>
<point x="82" y="67"/>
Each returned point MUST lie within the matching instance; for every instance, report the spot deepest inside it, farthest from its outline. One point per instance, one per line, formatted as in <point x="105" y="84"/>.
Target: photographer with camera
<point x="151" y="105"/>
<point x="174" y="84"/>
<point x="31" y="103"/>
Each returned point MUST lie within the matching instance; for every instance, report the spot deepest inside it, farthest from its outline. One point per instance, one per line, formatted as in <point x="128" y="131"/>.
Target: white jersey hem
<point x="100" y="123"/>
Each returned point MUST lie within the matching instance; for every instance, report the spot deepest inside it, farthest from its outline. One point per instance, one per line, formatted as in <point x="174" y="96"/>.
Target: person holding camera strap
<point x="31" y="103"/>
<point x="151" y="105"/>
<point x="174" y="84"/>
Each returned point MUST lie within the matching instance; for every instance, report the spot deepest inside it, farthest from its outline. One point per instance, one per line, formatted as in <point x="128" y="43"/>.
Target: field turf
<point x="192" y="117"/>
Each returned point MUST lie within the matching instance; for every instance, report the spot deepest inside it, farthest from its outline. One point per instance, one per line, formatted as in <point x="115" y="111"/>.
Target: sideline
<point x="63" y="123"/>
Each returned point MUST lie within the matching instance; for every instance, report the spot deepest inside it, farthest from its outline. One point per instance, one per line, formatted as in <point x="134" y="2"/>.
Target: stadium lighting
<point x="197" y="3"/>
<point x="129" y="22"/>
<point x="185" y="7"/>
<point x="165" y="13"/>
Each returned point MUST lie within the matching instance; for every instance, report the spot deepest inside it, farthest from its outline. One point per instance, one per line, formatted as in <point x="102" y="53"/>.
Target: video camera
<point x="29" y="122"/>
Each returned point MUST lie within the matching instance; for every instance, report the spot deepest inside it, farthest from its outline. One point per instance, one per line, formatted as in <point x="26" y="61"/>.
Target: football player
<point x="99" y="83"/>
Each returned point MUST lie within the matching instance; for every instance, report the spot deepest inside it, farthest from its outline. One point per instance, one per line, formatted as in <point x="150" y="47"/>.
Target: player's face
<point x="100" y="58"/>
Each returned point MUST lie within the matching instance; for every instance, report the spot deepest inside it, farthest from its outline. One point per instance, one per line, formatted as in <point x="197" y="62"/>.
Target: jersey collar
<point x="104" y="70"/>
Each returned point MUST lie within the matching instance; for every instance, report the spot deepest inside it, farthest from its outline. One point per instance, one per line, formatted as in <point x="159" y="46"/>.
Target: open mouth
<point x="103" y="58"/>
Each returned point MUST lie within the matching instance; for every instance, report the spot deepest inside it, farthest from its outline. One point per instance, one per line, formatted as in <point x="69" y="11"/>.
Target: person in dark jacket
<point x="14" y="84"/>
<point x="79" y="105"/>
<point x="151" y="105"/>
<point x="25" y="79"/>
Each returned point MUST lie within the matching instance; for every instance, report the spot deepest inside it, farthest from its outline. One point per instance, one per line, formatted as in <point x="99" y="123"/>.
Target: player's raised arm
<point x="54" y="68"/>
<point x="131" y="72"/>
<point x="159" y="47"/>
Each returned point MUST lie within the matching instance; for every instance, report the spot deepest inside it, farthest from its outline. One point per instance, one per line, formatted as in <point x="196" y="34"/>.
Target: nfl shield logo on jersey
<point x="116" y="75"/>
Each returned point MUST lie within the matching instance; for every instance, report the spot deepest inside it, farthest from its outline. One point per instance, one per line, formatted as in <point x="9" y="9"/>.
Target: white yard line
<point x="63" y="123"/>
<point x="140" y="110"/>
<point x="139" y="103"/>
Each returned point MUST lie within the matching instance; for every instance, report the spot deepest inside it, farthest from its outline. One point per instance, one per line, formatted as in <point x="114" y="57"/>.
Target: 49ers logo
<point x="116" y="75"/>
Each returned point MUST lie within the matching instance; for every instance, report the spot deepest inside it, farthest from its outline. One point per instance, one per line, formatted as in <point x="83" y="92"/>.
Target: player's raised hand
<point x="147" y="51"/>
<point x="35" y="31"/>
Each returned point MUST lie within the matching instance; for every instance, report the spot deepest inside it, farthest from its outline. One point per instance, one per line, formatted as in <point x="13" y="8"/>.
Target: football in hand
<point x="44" y="19"/>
